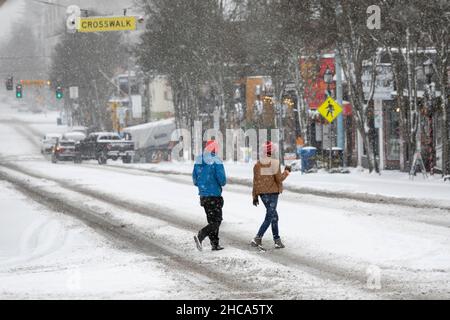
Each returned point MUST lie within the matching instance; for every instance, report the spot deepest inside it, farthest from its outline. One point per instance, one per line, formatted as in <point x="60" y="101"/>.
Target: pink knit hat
<point x="212" y="146"/>
<point x="269" y="148"/>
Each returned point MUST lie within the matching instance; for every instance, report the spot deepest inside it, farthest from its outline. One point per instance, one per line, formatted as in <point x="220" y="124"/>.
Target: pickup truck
<point x="102" y="146"/>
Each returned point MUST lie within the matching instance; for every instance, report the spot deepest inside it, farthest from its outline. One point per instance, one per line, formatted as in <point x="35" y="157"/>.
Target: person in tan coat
<point x="268" y="184"/>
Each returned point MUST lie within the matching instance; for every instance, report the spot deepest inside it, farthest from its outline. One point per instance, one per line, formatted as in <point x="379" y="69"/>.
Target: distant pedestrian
<point x="209" y="176"/>
<point x="268" y="184"/>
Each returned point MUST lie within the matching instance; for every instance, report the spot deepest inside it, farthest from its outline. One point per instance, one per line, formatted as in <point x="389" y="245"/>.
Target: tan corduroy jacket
<point x="267" y="177"/>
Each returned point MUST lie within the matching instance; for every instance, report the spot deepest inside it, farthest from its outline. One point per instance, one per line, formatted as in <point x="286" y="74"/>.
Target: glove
<point x="255" y="202"/>
<point x="288" y="168"/>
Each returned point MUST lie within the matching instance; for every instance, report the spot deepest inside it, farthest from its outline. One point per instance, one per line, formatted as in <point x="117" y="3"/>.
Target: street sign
<point x="102" y="24"/>
<point x="290" y="86"/>
<point x="289" y="158"/>
<point x="330" y="109"/>
<point x="39" y="83"/>
<point x="73" y="92"/>
<point x="136" y="106"/>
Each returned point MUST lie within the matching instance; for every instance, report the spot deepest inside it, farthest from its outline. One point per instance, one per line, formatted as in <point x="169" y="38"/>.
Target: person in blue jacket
<point x="209" y="176"/>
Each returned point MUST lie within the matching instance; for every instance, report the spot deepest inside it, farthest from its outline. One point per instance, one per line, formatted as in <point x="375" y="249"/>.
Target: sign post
<point x="136" y="106"/>
<point x="330" y="110"/>
<point x="73" y="93"/>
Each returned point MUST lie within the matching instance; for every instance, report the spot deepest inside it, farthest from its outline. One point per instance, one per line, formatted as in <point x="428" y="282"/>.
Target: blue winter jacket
<point x="209" y="175"/>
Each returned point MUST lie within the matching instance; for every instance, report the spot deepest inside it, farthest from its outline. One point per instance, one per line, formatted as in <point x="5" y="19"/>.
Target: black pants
<point x="213" y="208"/>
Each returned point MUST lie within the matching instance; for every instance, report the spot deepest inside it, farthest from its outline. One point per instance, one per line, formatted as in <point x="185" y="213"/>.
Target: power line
<point x="125" y="10"/>
<point x="25" y="57"/>
<point x="55" y="4"/>
<point x="50" y="3"/>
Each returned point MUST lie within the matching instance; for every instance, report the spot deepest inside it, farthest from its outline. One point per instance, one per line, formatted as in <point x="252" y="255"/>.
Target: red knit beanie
<point x="212" y="146"/>
<point x="269" y="148"/>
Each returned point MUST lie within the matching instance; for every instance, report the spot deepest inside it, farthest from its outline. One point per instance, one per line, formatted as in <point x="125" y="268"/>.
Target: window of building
<point x="392" y="134"/>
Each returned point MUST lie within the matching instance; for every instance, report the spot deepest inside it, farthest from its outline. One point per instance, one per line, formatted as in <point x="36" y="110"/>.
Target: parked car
<point x="74" y="136"/>
<point x="63" y="150"/>
<point x="102" y="146"/>
<point x="48" y="142"/>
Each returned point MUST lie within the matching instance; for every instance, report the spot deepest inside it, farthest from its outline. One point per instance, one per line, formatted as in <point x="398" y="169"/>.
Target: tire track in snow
<point x="324" y="269"/>
<point x="136" y="240"/>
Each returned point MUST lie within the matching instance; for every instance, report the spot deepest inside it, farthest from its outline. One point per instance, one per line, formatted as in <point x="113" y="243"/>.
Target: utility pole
<point x="148" y="95"/>
<point x="339" y="97"/>
<point x="130" y="102"/>
<point x="278" y="102"/>
<point x="328" y="79"/>
<point x="98" y="112"/>
<point x="216" y="119"/>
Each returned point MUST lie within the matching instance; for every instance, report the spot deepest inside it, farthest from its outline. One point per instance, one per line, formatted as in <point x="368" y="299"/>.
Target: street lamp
<point x="429" y="94"/>
<point x="428" y="70"/>
<point x="328" y="79"/>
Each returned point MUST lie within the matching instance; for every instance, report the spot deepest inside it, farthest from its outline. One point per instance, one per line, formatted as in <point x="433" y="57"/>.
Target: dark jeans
<point x="270" y="201"/>
<point x="213" y="208"/>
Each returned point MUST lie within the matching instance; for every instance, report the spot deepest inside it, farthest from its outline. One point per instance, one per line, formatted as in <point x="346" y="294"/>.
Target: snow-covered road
<point x="146" y="221"/>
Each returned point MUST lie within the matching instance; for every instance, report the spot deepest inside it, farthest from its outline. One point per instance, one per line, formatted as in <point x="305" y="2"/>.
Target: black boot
<point x="198" y="243"/>
<point x="216" y="247"/>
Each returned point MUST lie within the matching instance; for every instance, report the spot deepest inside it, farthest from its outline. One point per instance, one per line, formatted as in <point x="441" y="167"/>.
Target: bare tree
<point x="359" y="53"/>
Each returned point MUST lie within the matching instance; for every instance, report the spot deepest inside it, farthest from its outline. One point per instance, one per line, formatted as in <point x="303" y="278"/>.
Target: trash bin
<point x="307" y="154"/>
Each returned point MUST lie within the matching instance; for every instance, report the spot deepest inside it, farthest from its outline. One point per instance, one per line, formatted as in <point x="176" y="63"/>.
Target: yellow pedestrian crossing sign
<point x="100" y="24"/>
<point x="330" y="109"/>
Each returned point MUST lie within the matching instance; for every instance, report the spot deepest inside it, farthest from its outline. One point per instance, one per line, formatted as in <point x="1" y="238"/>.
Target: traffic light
<point x="59" y="93"/>
<point x="9" y="83"/>
<point x="19" y="91"/>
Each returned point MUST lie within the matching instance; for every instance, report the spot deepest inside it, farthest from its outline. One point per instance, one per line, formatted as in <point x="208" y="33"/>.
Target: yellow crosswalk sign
<point x="101" y="24"/>
<point x="330" y="109"/>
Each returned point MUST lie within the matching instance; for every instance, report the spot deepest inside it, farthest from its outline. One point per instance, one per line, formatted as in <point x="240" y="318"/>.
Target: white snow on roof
<point x="154" y="134"/>
<point x="149" y="125"/>
<point x="53" y="135"/>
